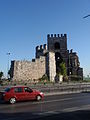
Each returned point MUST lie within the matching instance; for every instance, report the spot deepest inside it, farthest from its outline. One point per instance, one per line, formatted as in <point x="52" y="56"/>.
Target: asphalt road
<point x="55" y="107"/>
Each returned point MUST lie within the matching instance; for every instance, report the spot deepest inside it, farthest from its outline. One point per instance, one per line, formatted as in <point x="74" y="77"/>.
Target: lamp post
<point x="8" y="54"/>
<point x="69" y="64"/>
<point x="69" y="68"/>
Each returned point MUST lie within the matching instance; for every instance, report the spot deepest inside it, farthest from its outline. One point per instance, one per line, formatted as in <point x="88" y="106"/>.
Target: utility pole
<point x="69" y="66"/>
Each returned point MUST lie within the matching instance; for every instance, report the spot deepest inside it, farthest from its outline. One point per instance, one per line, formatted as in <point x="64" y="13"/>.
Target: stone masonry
<point x="28" y="70"/>
<point x="51" y="66"/>
<point x="47" y="61"/>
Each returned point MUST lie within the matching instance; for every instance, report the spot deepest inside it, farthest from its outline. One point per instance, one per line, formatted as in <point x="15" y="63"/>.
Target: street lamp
<point x="86" y="16"/>
<point x="69" y="65"/>
<point x="8" y="54"/>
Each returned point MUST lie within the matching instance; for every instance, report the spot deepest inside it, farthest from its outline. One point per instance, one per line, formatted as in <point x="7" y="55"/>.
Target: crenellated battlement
<point x="41" y="47"/>
<point x="41" y="50"/>
<point x="37" y="48"/>
<point x="56" y="35"/>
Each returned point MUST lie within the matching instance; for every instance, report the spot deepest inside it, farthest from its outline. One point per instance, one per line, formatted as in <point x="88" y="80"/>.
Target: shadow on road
<point x="77" y="115"/>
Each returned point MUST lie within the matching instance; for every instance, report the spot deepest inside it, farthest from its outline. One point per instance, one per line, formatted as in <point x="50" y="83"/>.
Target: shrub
<point x="75" y="78"/>
<point x="44" y="77"/>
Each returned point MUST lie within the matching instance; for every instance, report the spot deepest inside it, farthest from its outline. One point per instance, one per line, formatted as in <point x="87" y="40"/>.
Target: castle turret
<point x="45" y="46"/>
<point x="41" y="50"/>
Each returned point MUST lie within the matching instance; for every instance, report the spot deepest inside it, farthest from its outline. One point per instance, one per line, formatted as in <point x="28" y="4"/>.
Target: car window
<point x="18" y="90"/>
<point x="27" y="89"/>
<point x="7" y="89"/>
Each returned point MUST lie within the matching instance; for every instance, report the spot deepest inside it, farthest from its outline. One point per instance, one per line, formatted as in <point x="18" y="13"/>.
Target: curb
<point x="61" y="93"/>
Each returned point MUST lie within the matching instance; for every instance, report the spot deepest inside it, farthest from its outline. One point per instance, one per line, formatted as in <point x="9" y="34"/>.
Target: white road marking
<point x="57" y="100"/>
<point x="49" y="113"/>
<point x="84" y="107"/>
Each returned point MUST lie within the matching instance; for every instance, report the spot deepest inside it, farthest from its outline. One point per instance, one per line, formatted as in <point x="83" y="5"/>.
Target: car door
<point x="19" y="93"/>
<point x="29" y="94"/>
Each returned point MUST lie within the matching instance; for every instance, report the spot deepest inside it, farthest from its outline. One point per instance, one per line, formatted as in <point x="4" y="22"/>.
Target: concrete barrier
<point x="50" y="89"/>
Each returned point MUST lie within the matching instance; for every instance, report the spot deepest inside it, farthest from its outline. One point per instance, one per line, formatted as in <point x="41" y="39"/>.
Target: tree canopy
<point x="1" y="75"/>
<point x="63" y="69"/>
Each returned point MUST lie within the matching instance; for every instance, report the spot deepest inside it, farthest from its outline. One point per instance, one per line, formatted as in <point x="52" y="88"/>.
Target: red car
<point x="20" y="93"/>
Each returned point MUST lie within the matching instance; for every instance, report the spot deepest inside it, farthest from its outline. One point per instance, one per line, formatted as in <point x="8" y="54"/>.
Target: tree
<point x="62" y="73"/>
<point x="44" y="78"/>
<point x="63" y="69"/>
<point x="1" y="75"/>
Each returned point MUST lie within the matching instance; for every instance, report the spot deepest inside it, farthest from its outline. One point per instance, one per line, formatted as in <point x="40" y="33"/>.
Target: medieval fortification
<point x="47" y="60"/>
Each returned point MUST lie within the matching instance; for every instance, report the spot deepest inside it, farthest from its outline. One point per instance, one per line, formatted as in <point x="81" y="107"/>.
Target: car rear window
<point x="7" y="89"/>
<point x="18" y="90"/>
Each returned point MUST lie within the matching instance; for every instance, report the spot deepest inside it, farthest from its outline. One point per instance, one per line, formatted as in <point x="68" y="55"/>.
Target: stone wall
<point x="51" y="66"/>
<point x="26" y="70"/>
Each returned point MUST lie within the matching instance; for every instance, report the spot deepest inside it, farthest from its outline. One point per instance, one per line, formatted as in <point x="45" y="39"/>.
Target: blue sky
<point x="24" y="24"/>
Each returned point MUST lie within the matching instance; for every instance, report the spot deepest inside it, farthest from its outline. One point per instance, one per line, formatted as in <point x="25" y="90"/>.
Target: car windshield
<point x="27" y="89"/>
<point x="7" y="89"/>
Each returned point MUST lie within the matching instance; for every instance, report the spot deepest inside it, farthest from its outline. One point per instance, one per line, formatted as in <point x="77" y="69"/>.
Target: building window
<point x="57" y="46"/>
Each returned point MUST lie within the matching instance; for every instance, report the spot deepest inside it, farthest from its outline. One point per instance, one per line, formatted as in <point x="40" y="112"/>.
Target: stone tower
<point x="58" y="45"/>
<point x="41" y="50"/>
<point x="50" y="60"/>
<point x="51" y="66"/>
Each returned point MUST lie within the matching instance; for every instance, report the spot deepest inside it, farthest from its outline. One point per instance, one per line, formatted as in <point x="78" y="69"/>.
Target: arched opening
<point x="58" y="59"/>
<point x="57" y="46"/>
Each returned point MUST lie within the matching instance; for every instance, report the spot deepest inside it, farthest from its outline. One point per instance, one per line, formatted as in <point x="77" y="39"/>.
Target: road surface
<point x="53" y="107"/>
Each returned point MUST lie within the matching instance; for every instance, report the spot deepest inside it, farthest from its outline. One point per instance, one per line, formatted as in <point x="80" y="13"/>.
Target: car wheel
<point x="38" y="98"/>
<point x="12" y="100"/>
